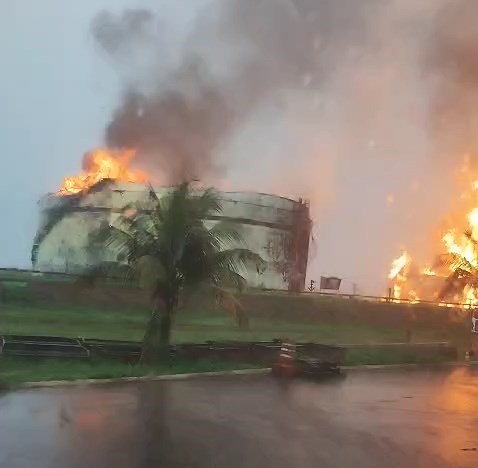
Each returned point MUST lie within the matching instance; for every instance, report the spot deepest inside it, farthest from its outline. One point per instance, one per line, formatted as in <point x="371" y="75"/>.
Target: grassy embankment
<point x="201" y="325"/>
<point x="14" y="371"/>
<point x="323" y="320"/>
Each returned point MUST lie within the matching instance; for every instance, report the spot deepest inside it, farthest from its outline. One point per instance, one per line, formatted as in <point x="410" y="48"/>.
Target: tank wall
<point x="267" y="223"/>
<point x="241" y="205"/>
<point x="270" y="244"/>
<point x="69" y="247"/>
<point x="258" y="207"/>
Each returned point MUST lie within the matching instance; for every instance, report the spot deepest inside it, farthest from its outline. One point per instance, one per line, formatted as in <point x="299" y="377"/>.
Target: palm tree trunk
<point x="165" y="328"/>
<point x="158" y="335"/>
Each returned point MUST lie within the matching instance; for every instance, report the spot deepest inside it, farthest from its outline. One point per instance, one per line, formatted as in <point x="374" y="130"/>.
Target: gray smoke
<point x="451" y="66"/>
<point x="238" y="56"/>
<point x="241" y="55"/>
<point x="340" y="101"/>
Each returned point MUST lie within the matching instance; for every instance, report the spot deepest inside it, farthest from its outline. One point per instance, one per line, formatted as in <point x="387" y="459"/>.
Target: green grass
<point x="328" y="321"/>
<point x="382" y="356"/>
<point x="198" y="326"/>
<point x="14" y="371"/>
<point x="72" y="321"/>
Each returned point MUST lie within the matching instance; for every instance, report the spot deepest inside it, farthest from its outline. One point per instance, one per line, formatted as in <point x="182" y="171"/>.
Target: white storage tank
<point x="275" y="227"/>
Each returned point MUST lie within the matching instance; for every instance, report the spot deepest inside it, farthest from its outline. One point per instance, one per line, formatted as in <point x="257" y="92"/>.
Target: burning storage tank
<point x="275" y="227"/>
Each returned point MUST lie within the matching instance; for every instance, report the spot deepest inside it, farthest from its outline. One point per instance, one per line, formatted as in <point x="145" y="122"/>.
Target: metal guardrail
<point x="112" y="348"/>
<point x="261" y="351"/>
<point x="42" y="346"/>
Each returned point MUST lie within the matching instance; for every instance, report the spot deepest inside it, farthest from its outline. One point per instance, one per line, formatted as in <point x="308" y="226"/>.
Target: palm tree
<point x="463" y="272"/>
<point x="165" y="245"/>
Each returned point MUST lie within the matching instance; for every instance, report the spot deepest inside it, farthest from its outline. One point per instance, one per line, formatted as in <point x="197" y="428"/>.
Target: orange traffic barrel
<point x="285" y="367"/>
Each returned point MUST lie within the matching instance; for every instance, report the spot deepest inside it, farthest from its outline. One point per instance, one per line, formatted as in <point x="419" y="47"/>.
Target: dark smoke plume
<point x="178" y="132"/>
<point x="239" y="55"/>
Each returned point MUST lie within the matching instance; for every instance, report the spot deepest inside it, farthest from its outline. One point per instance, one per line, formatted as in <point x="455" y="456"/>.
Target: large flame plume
<point x="459" y="248"/>
<point x="101" y="164"/>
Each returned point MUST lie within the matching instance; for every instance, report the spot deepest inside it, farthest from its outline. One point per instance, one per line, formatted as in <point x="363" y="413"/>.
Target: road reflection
<point x="370" y="419"/>
<point x="453" y="421"/>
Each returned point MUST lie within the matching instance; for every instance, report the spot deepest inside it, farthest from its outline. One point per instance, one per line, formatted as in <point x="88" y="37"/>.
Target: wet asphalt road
<point x="410" y="418"/>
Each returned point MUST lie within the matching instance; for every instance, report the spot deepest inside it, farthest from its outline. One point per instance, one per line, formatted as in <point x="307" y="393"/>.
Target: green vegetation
<point x="14" y="371"/>
<point x="199" y="325"/>
<point x="72" y="321"/>
<point x="383" y="356"/>
<point x="166" y="247"/>
<point x="49" y="311"/>
<point x="270" y="316"/>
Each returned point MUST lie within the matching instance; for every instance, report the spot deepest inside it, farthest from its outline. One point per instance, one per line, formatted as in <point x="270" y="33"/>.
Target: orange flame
<point x="398" y="265"/>
<point x="413" y="297"/>
<point x="398" y="274"/>
<point x="463" y="248"/>
<point x="469" y="294"/>
<point x="103" y="164"/>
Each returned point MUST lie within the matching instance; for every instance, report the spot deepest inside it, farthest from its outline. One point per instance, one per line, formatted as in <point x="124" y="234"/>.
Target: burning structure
<point x="275" y="227"/>
<point x="452" y="277"/>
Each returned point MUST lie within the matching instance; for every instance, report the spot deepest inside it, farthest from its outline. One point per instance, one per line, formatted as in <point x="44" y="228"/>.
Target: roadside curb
<point x="406" y="366"/>
<point x="260" y="371"/>
<point x="145" y="378"/>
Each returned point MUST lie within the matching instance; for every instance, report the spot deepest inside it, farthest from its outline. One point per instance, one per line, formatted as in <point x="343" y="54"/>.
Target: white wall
<point x="66" y="245"/>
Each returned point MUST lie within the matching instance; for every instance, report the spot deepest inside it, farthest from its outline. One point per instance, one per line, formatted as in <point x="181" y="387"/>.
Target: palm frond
<point x="152" y="195"/>
<point x="453" y="261"/>
<point x="121" y="242"/>
<point x="61" y="208"/>
<point x="228" y="278"/>
<point x="207" y="203"/>
<point x="228" y="234"/>
<point x="109" y="270"/>
<point x="168" y="244"/>
<point x="52" y="216"/>
<point x="239" y="259"/>
<point x="229" y="303"/>
<point x="463" y="273"/>
<point x="150" y="271"/>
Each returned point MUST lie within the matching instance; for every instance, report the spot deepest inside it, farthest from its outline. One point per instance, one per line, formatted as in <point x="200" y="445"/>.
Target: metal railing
<point x="369" y="298"/>
<point x="12" y="275"/>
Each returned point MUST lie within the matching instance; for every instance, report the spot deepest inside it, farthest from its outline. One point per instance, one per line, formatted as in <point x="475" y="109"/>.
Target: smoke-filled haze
<point x="364" y="107"/>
